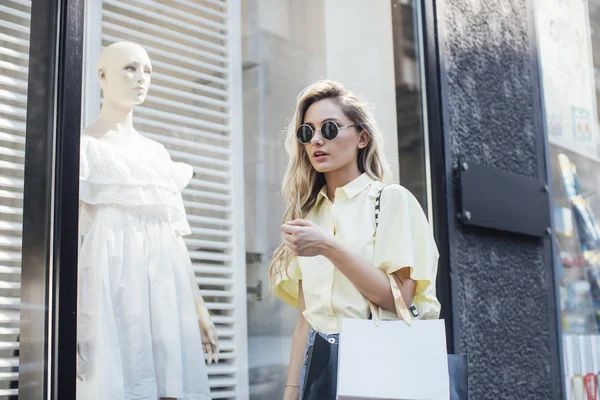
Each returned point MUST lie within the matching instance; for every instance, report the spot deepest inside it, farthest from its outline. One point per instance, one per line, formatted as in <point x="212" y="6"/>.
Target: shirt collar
<point x="350" y="189"/>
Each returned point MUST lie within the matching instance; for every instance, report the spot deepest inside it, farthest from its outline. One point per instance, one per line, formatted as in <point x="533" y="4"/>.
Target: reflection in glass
<point x="188" y="110"/>
<point x="286" y="46"/>
<point x="568" y="38"/>
<point x="143" y="326"/>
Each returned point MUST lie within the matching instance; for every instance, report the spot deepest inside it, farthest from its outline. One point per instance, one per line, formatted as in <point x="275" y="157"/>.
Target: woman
<point x="330" y="265"/>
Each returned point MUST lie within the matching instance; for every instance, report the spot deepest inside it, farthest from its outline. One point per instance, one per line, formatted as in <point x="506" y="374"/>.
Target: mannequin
<point x="142" y="323"/>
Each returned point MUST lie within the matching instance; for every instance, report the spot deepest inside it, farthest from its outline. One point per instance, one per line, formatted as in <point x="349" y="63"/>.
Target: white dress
<point x="138" y="334"/>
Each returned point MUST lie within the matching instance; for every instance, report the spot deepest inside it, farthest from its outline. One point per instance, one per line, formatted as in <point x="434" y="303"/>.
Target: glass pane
<point x="156" y="191"/>
<point x="15" y="19"/>
<point x="569" y="34"/>
<point x="370" y="47"/>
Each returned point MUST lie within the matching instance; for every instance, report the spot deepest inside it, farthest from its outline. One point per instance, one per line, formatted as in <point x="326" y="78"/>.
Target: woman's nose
<point x="317" y="138"/>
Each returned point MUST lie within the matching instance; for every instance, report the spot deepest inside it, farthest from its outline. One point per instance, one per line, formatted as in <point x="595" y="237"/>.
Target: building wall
<point x="502" y="284"/>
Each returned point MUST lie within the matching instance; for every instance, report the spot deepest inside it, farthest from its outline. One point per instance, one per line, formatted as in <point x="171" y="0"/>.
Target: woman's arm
<point x="307" y="239"/>
<point x="299" y="340"/>
<point x="372" y="282"/>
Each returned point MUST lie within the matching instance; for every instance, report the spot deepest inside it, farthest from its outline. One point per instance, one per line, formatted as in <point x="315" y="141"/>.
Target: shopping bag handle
<point x="402" y="311"/>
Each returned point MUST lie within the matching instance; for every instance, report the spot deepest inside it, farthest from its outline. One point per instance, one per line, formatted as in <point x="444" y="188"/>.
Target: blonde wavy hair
<point x="301" y="182"/>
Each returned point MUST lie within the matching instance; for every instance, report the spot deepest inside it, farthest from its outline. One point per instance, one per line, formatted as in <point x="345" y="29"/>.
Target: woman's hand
<point x="306" y="239"/>
<point x="209" y="337"/>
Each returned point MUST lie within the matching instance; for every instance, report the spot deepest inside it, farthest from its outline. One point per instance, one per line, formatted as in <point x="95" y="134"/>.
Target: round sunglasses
<point x="329" y="130"/>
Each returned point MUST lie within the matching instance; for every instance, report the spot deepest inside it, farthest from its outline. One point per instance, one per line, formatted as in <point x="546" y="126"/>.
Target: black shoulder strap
<point x="378" y="207"/>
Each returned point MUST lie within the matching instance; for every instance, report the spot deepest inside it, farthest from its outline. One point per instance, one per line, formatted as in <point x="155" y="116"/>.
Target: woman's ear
<point x="363" y="139"/>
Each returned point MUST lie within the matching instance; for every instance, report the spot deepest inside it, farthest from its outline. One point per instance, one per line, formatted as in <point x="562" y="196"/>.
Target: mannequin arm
<point x="207" y="327"/>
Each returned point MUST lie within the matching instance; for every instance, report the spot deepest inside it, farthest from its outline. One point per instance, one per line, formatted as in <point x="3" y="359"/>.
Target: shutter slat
<point x="204" y="255"/>
<point x="206" y="220"/>
<point x="202" y="9"/>
<point x="14" y="27"/>
<point x="12" y="96"/>
<point x="165" y="33"/>
<point x="11" y="210"/>
<point x="16" y="13"/>
<point x="165" y="140"/>
<point x="210" y="185"/>
<point x="11" y="165"/>
<point x="25" y="3"/>
<point x="197" y="98"/>
<point x="206" y="195"/>
<point x="206" y="281"/>
<point x="8" y="137"/>
<point x="12" y="39"/>
<point x="194" y="133"/>
<point x="8" y="181"/>
<point x="13" y="125"/>
<point x="213" y="270"/>
<point x="192" y="85"/>
<point x="13" y="67"/>
<point x="209" y="244"/>
<point x="178" y="120"/>
<point x="11" y="271"/>
<point x="14" y="82"/>
<point x="185" y="106"/>
<point x="179" y="155"/>
<point x="15" y="111"/>
<point x="13" y="53"/>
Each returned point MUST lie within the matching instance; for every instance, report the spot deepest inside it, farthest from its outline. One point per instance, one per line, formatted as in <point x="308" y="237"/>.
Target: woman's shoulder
<point x="396" y="195"/>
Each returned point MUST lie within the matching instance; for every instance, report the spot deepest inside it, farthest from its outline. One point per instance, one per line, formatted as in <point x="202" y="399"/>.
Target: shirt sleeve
<point x="404" y="238"/>
<point x="287" y="282"/>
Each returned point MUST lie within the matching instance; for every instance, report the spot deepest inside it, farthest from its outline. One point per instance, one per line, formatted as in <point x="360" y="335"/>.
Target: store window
<point x="15" y="18"/>
<point x="373" y="48"/>
<point x="569" y="49"/>
<point x="224" y="80"/>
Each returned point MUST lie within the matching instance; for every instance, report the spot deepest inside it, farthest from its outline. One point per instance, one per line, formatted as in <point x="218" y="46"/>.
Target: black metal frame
<point x="441" y="173"/>
<point x="50" y="206"/>
<point x="544" y="172"/>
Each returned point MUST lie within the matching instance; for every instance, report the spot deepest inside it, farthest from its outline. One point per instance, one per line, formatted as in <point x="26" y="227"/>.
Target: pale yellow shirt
<point x="404" y="239"/>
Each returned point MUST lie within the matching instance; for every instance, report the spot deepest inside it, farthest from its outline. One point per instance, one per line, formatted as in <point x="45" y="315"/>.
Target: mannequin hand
<point x="209" y="337"/>
<point x="306" y="239"/>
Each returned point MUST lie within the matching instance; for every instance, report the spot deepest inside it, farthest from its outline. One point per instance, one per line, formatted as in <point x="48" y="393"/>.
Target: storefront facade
<point x="455" y="85"/>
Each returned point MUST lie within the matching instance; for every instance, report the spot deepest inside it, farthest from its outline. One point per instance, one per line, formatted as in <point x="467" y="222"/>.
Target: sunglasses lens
<point x="329" y="130"/>
<point x="304" y="134"/>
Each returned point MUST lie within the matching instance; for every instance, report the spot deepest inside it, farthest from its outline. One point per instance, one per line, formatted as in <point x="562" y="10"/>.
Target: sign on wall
<point x="568" y="75"/>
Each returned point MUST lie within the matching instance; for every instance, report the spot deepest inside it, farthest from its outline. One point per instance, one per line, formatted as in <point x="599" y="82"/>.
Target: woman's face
<point x="340" y="152"/>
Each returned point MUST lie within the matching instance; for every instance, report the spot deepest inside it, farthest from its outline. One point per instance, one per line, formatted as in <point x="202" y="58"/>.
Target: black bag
<point x="320" y="382"/>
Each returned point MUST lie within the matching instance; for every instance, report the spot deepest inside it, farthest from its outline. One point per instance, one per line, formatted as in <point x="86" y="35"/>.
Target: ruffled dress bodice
<point x="143" y="177"/>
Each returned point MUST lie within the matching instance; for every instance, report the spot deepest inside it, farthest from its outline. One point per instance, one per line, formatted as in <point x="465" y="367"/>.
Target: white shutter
<point x="189" y="110"/>
<point x="15" y="18"/>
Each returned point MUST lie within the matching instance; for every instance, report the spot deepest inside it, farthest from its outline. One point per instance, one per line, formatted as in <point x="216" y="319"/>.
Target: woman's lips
<point x="320" y="155"/>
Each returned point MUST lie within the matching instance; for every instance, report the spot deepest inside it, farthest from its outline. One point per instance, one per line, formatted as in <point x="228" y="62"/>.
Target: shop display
<point x="143" y="326"/>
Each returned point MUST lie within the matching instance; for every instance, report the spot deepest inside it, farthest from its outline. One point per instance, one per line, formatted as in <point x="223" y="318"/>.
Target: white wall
<point x="360" y="54"/>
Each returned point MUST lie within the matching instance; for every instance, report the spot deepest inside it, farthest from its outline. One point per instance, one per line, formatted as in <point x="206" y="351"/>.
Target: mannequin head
<point x="124" y="70"/>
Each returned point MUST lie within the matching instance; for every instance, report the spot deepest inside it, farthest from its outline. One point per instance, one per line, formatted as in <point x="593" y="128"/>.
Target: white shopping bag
<point x="393" y="360"/>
